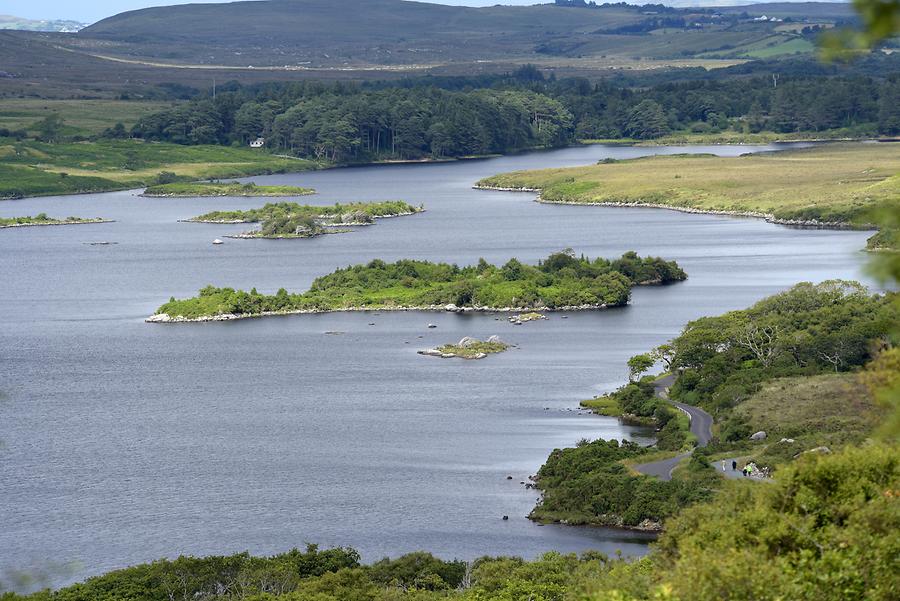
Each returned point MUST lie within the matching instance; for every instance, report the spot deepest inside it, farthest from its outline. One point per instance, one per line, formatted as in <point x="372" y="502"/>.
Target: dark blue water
<point x="125" y="442"/>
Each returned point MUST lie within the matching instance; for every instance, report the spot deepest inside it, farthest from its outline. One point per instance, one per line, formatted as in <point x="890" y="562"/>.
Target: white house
<point x="258" y="143"/>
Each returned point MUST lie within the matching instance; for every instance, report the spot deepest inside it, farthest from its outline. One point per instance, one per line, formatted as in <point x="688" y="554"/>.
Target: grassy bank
<point x="737" y="137"/>
<point x="560" y="281"/>
<point x="29" y="168"/>
<point x="835" y="183"/>
<point x="199" y="189"/>
<point x="80" y="117"/>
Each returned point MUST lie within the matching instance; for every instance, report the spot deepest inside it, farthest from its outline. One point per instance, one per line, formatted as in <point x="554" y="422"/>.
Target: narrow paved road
<point x="701" y="427"/>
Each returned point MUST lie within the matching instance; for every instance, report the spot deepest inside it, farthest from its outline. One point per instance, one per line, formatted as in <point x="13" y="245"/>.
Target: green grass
<point x="80" y="117"/>
<point x="680" y="138"/>
<point x="38" y="169"/>
<point x="473" y="350"/>
<point x="197" y="189"/>
<point x="830" y="410"/>
<point x="831" y="183"/>
<point x="603" y="405"/>
<point x="790" y="46"/>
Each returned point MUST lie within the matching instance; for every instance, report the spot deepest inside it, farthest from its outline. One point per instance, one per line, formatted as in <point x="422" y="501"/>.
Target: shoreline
<point x="165" y="318"/>
<point x="84" y="222"/>
<point x="427" y="160"/>
<point x="768" y="217"/>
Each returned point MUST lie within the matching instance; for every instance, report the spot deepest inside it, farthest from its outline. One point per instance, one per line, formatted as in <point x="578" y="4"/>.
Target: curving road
<point x="701" y="427"/>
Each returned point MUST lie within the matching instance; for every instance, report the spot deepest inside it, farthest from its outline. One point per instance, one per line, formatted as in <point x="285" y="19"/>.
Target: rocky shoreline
<point x="166" y="318"/>
<point x="768" y="217"/>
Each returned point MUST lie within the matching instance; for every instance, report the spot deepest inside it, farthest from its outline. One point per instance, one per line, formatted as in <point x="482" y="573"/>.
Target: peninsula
<point x="198" y="189"/>
<point x="834" y="185"/>
<point x="43" y="219"/>
<point x="560" y="282"/>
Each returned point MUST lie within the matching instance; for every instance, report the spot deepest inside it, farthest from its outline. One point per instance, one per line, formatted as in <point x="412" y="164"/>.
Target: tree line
<point x="456" y="117"/>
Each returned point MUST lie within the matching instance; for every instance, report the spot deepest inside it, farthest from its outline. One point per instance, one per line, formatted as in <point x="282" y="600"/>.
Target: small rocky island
<point x="468" y="348"/>
<point x="561" y="282"/>
<point x="292" y="220"/>
<point x="521" y="318"/>
<point x="202" y="189"/>
<point x="43" y="219"/>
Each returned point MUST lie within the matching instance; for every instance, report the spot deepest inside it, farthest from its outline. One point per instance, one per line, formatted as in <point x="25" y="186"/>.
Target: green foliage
<point x="366" y="125"/>
<point x="589" y="484"/>
<point x="812" y="328"/>
<point x="292" y="220"/>
<point x="638" y="365"/>
<point x="825" y="530"/>
<point x="560" y="281"/>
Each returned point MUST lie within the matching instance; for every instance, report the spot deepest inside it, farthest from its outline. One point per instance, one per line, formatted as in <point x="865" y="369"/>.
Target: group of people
<point x="749" y="469"/>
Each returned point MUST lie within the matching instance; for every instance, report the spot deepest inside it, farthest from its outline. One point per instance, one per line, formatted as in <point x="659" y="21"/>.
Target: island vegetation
<point x="562" y="281"/>
<point x="468" y="348"/>
<point x="196" y="189"/>
<point x="293" y="220"/>
<point x="836" y="185"/>
<point x="43" y="219"/>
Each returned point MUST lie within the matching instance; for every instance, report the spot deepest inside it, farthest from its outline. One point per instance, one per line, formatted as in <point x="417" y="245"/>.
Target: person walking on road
<point x="733" y="465"/>
<point x="723" y="465"/>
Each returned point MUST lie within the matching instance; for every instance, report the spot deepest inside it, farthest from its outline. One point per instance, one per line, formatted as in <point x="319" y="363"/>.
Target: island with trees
<point x="44" y="219"/>
<point x="199" y="189"/>
<point x="469" y="348"/>
<point x="563" y="281"/>
<point x="293" y="220"/>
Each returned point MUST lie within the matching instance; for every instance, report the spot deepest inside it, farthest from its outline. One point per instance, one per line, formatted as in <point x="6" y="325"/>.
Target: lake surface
<point x="124" y="442"/>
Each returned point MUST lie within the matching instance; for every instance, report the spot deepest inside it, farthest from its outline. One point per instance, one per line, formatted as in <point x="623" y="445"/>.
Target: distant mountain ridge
<point x="53" y="25"/>
<point x="401" y="33"/>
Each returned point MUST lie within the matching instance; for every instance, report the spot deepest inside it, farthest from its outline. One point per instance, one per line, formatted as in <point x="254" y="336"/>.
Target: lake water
<point x="124" y="442"/>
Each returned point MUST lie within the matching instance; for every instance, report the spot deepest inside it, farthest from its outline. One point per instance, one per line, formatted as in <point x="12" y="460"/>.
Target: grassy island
<point x="469" y="348"/>
<point x="43" y="219"/>
<point x="562" y="281"/>
<point x="292" y="220"/>
<point x="834" y="184"/>
<point x="196" y="189"/>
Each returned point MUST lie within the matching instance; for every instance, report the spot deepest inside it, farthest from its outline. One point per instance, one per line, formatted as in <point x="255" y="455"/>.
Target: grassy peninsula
<point x="32" y="168"/>
<point x="833" y="184"/>
<point x="561" y="281"/>
<point x="43" y="219"/>
<point x="197" y="189"/>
